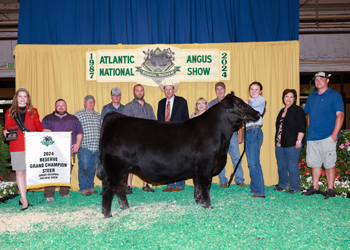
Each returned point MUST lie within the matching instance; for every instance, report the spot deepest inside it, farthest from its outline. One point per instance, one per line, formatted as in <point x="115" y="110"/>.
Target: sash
<point x="20" y="124"/>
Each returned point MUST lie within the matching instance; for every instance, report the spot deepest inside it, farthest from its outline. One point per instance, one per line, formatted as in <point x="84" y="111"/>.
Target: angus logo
<point x="47" y="141"/>
<point x="158" y="64"/>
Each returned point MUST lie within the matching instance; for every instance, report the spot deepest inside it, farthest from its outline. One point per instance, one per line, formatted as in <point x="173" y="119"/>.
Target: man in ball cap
<point x="88" y="152"/>
<point x="325" y="110"/>
<point x="236" y="139"/>
<point x="170" y="109"/>
<point x="115" y="105"/>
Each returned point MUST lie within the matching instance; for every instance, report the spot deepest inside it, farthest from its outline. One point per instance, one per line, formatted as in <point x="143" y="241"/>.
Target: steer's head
<point x="236" y="105"/>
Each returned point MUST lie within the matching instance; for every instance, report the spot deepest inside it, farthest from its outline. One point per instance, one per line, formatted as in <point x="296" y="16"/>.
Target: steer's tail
<point x="100" y="171"/>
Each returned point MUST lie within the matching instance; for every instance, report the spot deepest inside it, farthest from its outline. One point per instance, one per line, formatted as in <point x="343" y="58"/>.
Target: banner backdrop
<point x="150" y="65"/>
<point x="48" y="159"/>
<point x="50" y="72"/>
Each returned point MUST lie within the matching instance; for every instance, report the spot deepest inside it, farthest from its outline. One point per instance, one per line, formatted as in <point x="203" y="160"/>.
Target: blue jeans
<point x="87" y="167"/>
<point x="179" y="184"/>
<point x="288" y="168"/>
<point x="233" y="150"/>
<point x="254" y="138"/>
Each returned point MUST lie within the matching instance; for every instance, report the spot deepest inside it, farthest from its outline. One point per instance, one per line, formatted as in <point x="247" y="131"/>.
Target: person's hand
<point x="247" y="101"/>
<point x="240" y="137"/>
<point x="334" y="137"/>
<point x="75" y="148"/>
<point x="5" y="132"/>
<point x="47" y="130"/>
<point x="298" y="145"/>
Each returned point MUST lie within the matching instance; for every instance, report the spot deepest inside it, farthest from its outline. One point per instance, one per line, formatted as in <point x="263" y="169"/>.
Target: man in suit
<point x="170" y="109"/>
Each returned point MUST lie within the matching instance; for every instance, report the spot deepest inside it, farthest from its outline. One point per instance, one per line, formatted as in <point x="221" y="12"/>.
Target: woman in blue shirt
<point x="254" y="138"/>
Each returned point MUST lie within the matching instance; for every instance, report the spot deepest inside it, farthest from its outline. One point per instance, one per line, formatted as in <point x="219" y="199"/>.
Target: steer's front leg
<point x="121" y="195"/>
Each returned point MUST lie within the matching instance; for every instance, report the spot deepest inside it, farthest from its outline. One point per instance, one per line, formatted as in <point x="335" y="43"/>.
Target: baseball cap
<point x="88" y="97"/>
<point x="321" y="74"/>
<point x="221" y="84"/>
<point x="115" y="91"/>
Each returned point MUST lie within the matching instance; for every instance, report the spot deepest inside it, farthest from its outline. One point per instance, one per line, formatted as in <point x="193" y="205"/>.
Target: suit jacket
<point x="179" y="111"/>
<point x="33" y="124"/>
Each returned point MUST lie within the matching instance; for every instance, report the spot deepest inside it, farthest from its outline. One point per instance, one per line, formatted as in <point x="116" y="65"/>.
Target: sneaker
<point x="223" y="185"/>
<point x="66" y="196"/>
<point x="128" y="190"/>
<point x="291" y="191"/>
<point x="278" y="188"/>
<point x="86" y="192"/>
<point x="147" y="189"/>
<point x="50" y="199"/>
<point x="311" y="191"/>
<point x="330" y="193"/>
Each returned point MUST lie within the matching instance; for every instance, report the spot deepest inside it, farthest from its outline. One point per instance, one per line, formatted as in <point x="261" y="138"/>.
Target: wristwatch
<point x="298" y="141"/>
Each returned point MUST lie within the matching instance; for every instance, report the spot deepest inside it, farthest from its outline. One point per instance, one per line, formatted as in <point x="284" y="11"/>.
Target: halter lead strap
<point x="239" y="161"/>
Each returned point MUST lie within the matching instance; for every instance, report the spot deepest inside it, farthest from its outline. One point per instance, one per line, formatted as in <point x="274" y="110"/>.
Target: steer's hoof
<point x="108" y="216"/>
<point x="207" y="206"/>
<point x="124" y="207"/>
<point x="198" y="200"/>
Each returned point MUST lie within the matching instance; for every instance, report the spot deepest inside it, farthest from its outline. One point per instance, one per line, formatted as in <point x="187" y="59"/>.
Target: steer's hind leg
<point x="197" y="192"/>
<point x="205" y="185"/>
<point x="107" y="196"/>
<point x="121" y="195"/>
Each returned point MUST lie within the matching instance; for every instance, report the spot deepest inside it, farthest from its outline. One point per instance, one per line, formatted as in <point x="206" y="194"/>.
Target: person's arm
<point x="37" y="124"/>
<point x="7" y="123"/>
<point x="298" y="143"/>
<point x="185" y="111"/>
<point x="76" y="146"/>
<point x="103" y="113"/>
<point x="256" y="102"/>
<point x="127" y="111"/>
<point x="301" y="120"/>
<point x="153" y="117"/>
<point x="338" y="123"/>
<point x="240" y="135"/>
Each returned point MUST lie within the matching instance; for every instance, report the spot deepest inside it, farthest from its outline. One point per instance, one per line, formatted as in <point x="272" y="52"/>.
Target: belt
<point x="255" y="126"/>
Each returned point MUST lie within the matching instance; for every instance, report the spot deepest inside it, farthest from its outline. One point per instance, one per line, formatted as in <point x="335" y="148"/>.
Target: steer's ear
<point x="232" y="93"/>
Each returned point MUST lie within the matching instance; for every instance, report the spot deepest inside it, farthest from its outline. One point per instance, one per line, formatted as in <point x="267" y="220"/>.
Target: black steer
<point x="168" y="151"/>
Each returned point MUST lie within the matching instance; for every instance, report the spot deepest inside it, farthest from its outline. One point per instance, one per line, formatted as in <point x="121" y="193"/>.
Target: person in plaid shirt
<point x="88" y="152"/>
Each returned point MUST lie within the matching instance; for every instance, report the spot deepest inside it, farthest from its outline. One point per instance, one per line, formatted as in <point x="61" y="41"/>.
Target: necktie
<point x="167" y="117"/>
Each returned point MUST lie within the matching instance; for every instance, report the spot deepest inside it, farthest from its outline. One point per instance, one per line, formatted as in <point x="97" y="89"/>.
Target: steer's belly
<point x="163" y="173"/>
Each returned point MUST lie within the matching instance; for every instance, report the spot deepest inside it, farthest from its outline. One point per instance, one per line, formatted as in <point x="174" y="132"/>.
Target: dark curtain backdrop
<point x="156" y="21"/>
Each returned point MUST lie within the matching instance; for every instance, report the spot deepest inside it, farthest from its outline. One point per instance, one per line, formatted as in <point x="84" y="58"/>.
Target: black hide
<point x="168" y="151"/>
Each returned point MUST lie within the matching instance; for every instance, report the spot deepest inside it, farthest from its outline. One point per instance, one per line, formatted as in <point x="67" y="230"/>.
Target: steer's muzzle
<point x="251" y="115"/>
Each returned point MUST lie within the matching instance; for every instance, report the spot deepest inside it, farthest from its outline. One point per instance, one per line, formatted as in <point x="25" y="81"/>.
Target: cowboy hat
<point x="169" y="82"/>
